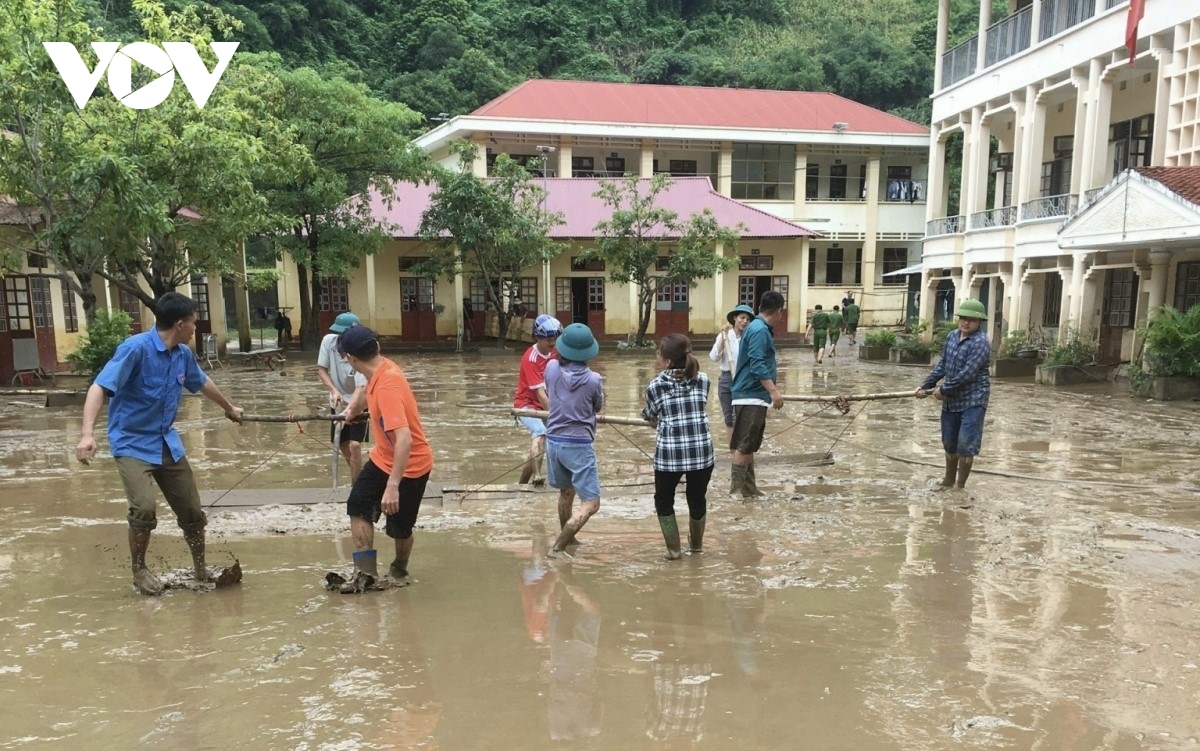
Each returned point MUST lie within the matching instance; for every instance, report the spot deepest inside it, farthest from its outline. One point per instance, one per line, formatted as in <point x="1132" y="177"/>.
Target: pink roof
<point x="572" y="197"/>
<point x="654" y="104"/>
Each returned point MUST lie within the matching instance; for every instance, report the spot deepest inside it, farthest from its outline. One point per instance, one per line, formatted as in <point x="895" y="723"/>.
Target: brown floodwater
<point x="1054" y="605"/>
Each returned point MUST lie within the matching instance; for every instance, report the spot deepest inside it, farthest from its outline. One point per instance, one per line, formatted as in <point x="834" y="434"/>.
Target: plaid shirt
<point x="964" y="368"/>
<point x="680" y="696"/>
<point x="681" y="408"/>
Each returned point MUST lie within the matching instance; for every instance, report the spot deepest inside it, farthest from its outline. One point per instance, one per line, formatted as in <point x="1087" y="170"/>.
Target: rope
<point x="261" y="464"/>
<point x="846" y="426"/>
<point x="463" y="496"/>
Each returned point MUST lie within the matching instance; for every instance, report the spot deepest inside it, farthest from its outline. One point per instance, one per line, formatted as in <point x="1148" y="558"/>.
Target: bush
<point x="941" y="334"/>
<point x="1075" y="351"/>
<point x="884" y="338"/>
<point x="99" y="342"/>
<point x="1014" y="341"/>
<point x="913" y="341"/>
<point x="1172" y="342"/>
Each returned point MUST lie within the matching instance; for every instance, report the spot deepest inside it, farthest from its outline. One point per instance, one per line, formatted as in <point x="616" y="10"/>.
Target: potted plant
<point x="913" y="349"/>
<point x="1017" y="357"/>
<point x="1170" y="367"/>
<point x="877" y="344"/>
<point x="1072" y="361"/>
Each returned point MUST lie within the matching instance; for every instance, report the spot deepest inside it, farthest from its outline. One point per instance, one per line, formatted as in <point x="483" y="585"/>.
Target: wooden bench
<point x="260" y="358"/>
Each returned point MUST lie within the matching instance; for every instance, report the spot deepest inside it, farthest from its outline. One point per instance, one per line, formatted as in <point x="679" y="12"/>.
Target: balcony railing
<point x="1090" y="195"/>
<point x="1008" y="37"/>
<point x="947" y="225"/>
<point x="959" y="62"/>
<point x="1002" y="217"/>
<point x="1060" y="15"/>
<point x="1049" y="207"/>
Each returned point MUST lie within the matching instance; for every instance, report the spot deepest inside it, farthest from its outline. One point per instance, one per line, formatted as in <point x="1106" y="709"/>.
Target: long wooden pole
<point x="292" y="418"/>
<point x="850" y="397"/>
<point x="606" y="419"/>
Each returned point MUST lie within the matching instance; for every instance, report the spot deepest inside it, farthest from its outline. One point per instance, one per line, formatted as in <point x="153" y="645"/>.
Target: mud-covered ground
<point x="1051" y="606"/>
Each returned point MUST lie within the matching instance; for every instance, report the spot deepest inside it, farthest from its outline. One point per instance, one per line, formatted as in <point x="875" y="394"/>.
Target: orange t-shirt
<point x="392" y="406"/>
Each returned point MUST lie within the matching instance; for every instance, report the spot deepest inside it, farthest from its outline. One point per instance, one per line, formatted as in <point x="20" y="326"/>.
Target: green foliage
<point x="882" y="338"/>
<point x="98" y="343"/>
<point x="1014" y="341"/>
<point x="640" y="232"/>
<point x="941" y="332"/>
<point x="1076" y="350"/>
<point x="489" y="230"/>
<point x="1172" y="342"/>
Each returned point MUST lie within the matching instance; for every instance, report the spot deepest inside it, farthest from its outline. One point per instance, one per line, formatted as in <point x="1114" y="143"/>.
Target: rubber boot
<point x="366" y="571"/>
<point x="696" y="534"/>
<point x="670" y="532"/>
<point x="738" y="479"/>
<point x="951" y="471"/>
<point x="398" y="572"/>
<point x="964" y="471"/>
<point x="750" y="487"/>
<point x="195" y="543"/>
<point x="146" y="582"/>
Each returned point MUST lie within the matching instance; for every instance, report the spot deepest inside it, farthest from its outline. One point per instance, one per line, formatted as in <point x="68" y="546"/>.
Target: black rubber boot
<point x="696" y="534"/>
<point x="737" y="478"/>
<point x="750" y="487"/>
<point x="964" y="470"/>
<point x="670" y="532"/>
<point x="951" y="470"/>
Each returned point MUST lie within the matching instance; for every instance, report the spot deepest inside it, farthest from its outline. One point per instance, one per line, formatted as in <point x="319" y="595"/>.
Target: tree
<point x="488" y="229"/>
<point x="640" y="232"/>
<point x="353" y="142"/>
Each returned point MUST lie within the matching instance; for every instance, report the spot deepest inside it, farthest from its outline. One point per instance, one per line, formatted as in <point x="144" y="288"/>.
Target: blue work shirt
<point x="145" y="382"/>
<point x="963" y="371"/>
<point x="755" y="362"/>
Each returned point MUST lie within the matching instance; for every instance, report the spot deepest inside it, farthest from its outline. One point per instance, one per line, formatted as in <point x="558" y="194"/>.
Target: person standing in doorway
<point x="677" y="405"/>
<point x="344" y="386"/>
<point x="754" y="392"/>
<point x="835" y="330"/>
<point x="531" y="392"/>
<point x="576" y="396"/>
<point x="393" y="480"/>
<point x="851" y="313"/>
<point x="964" y="392"/>
<point x="818" y="332"/>
<point x="145" y="380"/>
<point x="725" y="352"/>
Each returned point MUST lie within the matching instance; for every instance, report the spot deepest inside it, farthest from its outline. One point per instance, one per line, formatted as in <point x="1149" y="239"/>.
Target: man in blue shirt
<point x="964" y="392"/>
<point x="753" y="390"/>
<point x="145" y="381"/>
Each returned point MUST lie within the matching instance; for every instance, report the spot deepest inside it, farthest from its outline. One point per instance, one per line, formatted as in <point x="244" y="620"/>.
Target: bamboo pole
<point x="850" y="397"/>
<point x="606" y="419"/>
<point x="293" y="418"/>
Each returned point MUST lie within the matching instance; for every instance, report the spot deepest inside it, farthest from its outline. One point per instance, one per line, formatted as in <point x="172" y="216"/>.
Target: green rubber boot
<point x="670" y="532"/>
<point x="696" y="534"/>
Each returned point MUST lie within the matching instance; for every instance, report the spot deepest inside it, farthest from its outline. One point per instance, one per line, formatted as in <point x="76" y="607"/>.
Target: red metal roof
<point x="1183" y="181"/>
<point x="653" y="104"/>
<point x="573" y="198"/>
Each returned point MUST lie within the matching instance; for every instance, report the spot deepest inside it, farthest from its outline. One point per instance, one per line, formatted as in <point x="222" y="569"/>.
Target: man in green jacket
<point x="818" y="332"/>
<point x="835" y="330"/>
<point x="852" y="312"/>
<point x="754" y="392"/>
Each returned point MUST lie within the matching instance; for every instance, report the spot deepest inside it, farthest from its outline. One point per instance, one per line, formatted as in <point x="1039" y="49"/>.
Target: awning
<point x="905" y="271"/>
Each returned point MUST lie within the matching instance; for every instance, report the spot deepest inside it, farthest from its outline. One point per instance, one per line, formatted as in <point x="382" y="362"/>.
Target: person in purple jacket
<point x="576" y="395"/>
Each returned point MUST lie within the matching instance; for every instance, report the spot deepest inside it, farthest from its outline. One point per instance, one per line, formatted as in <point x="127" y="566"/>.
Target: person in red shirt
<point x="394" y="477"/>
<point x="531" y="392"/>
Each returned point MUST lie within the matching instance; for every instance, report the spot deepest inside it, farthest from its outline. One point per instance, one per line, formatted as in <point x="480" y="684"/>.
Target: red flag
<point x="1137" y="9"/>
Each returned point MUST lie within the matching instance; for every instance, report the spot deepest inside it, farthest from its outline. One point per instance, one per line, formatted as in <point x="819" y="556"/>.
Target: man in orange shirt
<point x="394" y="477"/>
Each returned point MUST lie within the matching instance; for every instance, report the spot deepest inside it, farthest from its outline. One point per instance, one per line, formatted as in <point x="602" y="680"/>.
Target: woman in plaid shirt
<point x="677" y="405"/>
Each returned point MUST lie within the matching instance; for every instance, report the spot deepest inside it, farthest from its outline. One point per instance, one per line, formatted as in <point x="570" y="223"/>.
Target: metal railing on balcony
<point x="1060" y="15"/>
<point x="959" y="62"/>
<point x="1002" y="217"/>
<point x="947" y="225"/>
<point x="1049" y="207"/>
<point x="1008" y="37"/>
<point x="1090" y="195"/>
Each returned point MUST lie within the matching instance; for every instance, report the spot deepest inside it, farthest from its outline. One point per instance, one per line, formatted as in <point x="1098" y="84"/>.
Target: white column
<point x="966" y="172"/>
<point x="479" y="166"/>
<point x="718" y="282"/>
<point x="1065" y="302"/>
<point x="928" y="295"/>
<point x="1035" y="21"/>
<point x="800" y="193"/>
<point x="1094" y="153"/>
<point x="943" y="26"/>
<point x="459" y="294"/>
<point x="805" y="249"/>
<point x="725" y="169"/>
<point x="565" y="144"/>
<point x="1029" y="181"/>
<point x="646" y="166"/>
<point x="985" y="20"/>
<point x="871" y="230"/>
<point x="372" y="319"/>
<point x="1082" y="94"/>
<point x="935" y="200"/>
<point x="241" y="301"/>
<point x="1160" y="263"/>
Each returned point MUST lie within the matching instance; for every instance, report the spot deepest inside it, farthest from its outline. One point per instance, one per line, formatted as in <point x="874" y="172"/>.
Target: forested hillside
<point x="450" y="56"/>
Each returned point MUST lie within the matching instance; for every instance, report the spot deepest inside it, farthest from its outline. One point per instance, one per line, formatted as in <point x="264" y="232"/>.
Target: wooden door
<point x="43" y="323"/>
<point x="334" y="300"/>
<point x="133" y="307"/>
<point x="1120" y="297"/>
<point x="752" y="288"/>
<point x="417" y="319"/>
<point x="595" y="305"/>
<point x="203" y="314"/>
<point x="671" y="309"/>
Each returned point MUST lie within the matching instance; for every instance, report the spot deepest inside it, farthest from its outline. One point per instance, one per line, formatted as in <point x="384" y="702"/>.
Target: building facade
<point x="1074" y="206"/>
<point x="853" y="175"/>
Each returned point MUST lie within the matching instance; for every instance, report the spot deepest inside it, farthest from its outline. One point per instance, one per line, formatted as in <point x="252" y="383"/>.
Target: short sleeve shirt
<point x="344" y="377"/>
<point x="531" y="377"/>
<point x="392" y="406"/>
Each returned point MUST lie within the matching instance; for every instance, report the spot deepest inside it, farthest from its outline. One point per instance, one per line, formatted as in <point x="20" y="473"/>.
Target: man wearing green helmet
<point x="964" y="392"/>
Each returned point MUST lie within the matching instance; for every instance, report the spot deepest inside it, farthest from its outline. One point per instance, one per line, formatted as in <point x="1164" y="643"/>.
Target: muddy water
<point x="1053" y="606"/>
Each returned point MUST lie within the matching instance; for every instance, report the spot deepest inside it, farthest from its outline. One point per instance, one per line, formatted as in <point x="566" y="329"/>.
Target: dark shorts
<point x="358" y="431"/>
<point x="962" y="432"/>
<point x="749" y="424"/>
<point x="367" y="494"/>
<point x="725" y="395"/>
<point x="851" y="328"/>
<point x="834" y="336"/>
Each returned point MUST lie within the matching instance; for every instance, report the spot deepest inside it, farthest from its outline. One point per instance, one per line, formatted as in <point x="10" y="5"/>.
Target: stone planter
<point x="1173" y="388"/>
<point x="873" y="353"/>
<point x="1069" y="375"/>
<point x="1014" y="367"/>
<point x="908" y="356"/>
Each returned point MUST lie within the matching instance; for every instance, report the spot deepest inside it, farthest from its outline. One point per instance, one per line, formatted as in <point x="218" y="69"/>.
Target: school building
<point x="1079" y="197"/>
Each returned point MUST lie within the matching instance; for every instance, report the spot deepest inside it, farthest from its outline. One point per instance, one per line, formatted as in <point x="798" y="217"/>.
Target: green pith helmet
<point x="971" y="309"/>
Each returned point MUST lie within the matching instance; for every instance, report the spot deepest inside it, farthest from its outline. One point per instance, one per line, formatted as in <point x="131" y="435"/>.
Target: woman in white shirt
<point x="725" y="353"/>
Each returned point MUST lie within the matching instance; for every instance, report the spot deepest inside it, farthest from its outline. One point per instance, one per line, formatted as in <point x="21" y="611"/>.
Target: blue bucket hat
<point x="343" y="322"/>
<point x="733" y="314"/>
<point x="577" y="343"/>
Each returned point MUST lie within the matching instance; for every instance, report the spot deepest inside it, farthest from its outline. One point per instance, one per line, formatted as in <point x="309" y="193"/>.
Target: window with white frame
<point x="763" y="171"/>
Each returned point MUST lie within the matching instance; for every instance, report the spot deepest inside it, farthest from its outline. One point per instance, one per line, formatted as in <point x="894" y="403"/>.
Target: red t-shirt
<point x="392" y="406"/>
<point x="531" y="377"/>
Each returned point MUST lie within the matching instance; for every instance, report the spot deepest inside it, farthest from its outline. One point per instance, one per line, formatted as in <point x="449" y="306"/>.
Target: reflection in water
<point x="747" y="601"/>
<point x="680" y="676"/>
<point x="574" y="624"/>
